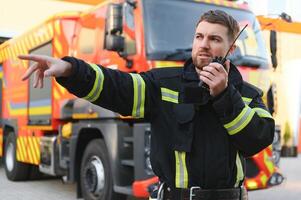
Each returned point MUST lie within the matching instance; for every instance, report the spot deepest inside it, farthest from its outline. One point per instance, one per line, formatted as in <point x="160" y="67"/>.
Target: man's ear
<point x="233" y="48"/>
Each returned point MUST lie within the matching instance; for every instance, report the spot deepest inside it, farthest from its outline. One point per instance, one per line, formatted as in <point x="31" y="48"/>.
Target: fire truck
<point x="52" y="132"/>
<point x="284" y="38"/>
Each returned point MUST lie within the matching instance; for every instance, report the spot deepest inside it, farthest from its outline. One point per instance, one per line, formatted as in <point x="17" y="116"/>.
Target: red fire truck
<point x="52" y="132"/>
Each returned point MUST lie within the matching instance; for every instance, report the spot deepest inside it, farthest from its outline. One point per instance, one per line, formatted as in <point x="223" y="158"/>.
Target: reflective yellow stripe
<point x="241" y="121"/>
<point x="170" y="95"/>
<point x="139" y="96"/>
<point x="246" y="100"/>
<point x="98" y="84"/>
<point x="181" y="170"/>
<point x="262" y="113"/>
<point x="268" y="162"/>
<point x="264" y="180"/>
<point x="240" y="172"/>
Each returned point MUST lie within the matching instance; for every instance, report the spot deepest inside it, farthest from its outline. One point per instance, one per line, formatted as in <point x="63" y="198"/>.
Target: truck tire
<point x="96" y="178"/>
<point x="14" y="170"/>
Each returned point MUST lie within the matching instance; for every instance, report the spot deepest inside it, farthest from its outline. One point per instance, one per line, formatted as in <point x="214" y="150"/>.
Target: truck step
<point x="128" y="163"/>
<point x="128" y="139"/>
<point x="123" y="189"/>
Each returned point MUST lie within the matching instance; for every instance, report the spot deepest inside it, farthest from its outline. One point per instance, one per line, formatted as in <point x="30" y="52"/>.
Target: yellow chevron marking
<point x="32" y="150"/>
<point x="18" y="153"/>
<point x="24" y="145"/>
<point x="58" y="47"/>
<point x="29" y="155"/>
<point x="22" y="149"/>
<point x="27" y="42"/>
<point x="29" y="149"/>
<point x="264" y="179"/>
<point x="36" y="143"/>
<point x="50" y="29"/>
<point x="1" y="56"/>
<point x="57" y="28"/>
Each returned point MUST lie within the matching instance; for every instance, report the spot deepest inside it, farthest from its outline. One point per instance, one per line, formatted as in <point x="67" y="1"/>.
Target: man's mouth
<point x="204" y="55"/>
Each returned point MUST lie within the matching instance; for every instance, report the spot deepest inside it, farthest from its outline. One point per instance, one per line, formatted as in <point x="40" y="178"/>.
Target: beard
<point x="201" y="62"/>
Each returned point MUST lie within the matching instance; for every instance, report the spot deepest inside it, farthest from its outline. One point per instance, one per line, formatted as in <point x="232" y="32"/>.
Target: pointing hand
<point x="45" y="66"/>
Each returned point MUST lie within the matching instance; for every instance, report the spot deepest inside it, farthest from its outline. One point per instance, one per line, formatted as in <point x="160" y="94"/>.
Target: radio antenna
<point x="224" y="58"/>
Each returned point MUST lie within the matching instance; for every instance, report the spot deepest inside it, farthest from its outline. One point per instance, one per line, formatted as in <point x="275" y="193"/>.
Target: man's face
<point x="210" y="40"/>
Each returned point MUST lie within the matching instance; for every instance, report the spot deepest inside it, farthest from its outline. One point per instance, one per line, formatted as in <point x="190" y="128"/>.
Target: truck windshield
<point x="170" y="25"/>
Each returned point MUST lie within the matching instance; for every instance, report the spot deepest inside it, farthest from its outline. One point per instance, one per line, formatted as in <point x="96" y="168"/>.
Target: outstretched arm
<point x="125" y="93"/>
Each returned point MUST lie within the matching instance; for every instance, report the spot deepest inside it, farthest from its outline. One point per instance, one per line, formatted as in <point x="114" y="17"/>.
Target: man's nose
<point x="204" y="43"/>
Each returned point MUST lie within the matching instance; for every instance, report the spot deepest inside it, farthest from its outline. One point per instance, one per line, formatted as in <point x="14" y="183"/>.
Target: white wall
<point x="16" y="16"/>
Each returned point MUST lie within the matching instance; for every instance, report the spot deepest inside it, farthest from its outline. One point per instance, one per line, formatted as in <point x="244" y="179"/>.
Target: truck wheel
<point x="95" y="173"/>
<point x="14" y="170"/>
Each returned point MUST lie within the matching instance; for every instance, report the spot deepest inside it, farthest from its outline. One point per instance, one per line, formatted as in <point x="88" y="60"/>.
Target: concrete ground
<point x="55" y="189"/>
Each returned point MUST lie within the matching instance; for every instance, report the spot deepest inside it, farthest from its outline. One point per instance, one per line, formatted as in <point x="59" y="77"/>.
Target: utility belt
<point x="196" y="193"/>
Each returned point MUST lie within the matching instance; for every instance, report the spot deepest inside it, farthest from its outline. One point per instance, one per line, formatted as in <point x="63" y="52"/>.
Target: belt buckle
<point x="160" y="194"/>
<point x="191" y="194"/>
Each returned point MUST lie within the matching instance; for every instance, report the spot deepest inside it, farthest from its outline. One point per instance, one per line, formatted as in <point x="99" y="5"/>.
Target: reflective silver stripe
<point x="241" y="121"/>
<point x="170" y="95"/>
<point x="246" y="100"/>
<point x="262" y="113"/>
<point x="139" y="96"/>
<point x="240" y="172"/>
<point x="94" y="94"/>
<point x="181" y="170"/>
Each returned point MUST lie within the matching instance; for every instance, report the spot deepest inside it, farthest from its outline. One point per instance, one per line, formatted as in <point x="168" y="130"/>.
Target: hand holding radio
<point x="214" y="77"/>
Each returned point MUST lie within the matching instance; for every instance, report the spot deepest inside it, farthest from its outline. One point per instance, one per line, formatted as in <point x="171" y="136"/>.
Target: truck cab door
<point x="39" y="104"/>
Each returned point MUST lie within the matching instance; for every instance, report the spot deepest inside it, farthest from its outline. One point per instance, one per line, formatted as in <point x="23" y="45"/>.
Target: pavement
<point x="290" y="189"/>
<point x="52" y="189"/>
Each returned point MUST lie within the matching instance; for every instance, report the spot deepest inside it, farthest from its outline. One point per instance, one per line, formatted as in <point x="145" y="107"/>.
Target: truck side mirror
<point x="114" y="43"/>
<point x="113" y="29"/>
<point x="273" y="48"/>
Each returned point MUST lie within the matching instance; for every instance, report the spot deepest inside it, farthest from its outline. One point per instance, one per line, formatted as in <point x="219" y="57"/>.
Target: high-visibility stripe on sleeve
<point x="246" y="100"/>
<point x="170" y="95"/>
<point x="94" y="94"/>
<point x="240" y="172"/>
<point x="139" y="96"/>
<point x="262" y="113"/>
<point x="181" y="170"/>
<point x="241" y="121"/>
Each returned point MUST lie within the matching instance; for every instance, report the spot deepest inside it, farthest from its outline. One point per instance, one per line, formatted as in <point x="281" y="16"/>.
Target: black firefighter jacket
<point x="195" y="142"/>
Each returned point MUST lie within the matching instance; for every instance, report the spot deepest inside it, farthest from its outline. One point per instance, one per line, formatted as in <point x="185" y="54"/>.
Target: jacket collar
<point x="190" y="74"/>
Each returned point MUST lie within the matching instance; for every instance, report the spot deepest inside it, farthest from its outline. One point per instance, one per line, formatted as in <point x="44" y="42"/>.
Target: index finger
<point x="29" y="71"/>
<point x="36" y="58"/>
<point x="227" y="65"/>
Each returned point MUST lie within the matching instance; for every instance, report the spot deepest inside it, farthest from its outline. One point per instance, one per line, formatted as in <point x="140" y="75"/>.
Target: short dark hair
<point x="222" y="18"/>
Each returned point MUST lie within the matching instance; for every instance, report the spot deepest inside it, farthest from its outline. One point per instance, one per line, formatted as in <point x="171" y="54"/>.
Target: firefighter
<point x="204" y="118"/>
